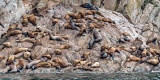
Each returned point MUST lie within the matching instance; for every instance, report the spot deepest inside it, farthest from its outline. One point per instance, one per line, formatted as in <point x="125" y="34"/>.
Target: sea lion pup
<point x="24" y="21"/>
<point x="104" y="46"/>
<point x="32" y="19"/>
<point x="133" y="58"/>
<point x="57" y="38"/>
<point x="153" y="40"/>
<point x="31" y="64"/>
<point x="82" y="30"/>
<point x="97" y="36"/>
<point x="60" y="62"/>
<point x="154" y="61"/>
<point x="65" y="46"/>
<point x="42" y="64"/>
<point x="95" y="65"/>
<point x="58" y="52"/>
<point x="85" y="55"/>
<point x="1" y="25"/>
<point x="21" y="65"/>
<point x="18" y="50"/>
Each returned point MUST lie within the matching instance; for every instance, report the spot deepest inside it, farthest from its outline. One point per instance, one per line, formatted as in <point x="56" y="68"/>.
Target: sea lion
<point x="60" y="62"/>
<point x="65" y="46"/>
<point x="21" y="65"/>
<point x="85" y="55"/>
<point x="42" y="64"/>
<point x="32" y="34"/>
<point x="24" y="21"/>
<point x="66" y="37"/>
<point x="7" y="45"/>
<point x="30" y="65"/>
<point x="57" y="38"/>
<point x="76" y="62"/>
<point x="97" y="36"/>
<point x="153" y="51"/>
<point x="127" y="38"/>
<point x="58" y="52"/>
<point x="10" y="60"/>
<point x="66" y="17"/>
<point x="144" y="53"/>
<point x="14" y="32"/>
<point x="27" y="55"/>
<point x="18" y="50"/>
<point x="154" y="61"/>
<point x="32" y="19"/>
<point x="89" y="6"/>
<point x="54" y="21"/>
<point x="103" y="55"/>
<point x="30" y="40"/>
<point x="95" y="65"/>
<point x="82" y="30"/>
<point x="47" y="55"/>
<point x="121" y="40"/>
<point x="133" y="58"/>
<point x="104" y="46"/>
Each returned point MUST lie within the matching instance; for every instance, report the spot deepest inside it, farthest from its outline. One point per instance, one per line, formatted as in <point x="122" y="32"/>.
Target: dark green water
<point x="82" y="76"/>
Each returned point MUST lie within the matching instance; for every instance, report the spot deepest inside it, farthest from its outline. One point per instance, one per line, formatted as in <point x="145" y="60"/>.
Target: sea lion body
<point x="32" y="19"/>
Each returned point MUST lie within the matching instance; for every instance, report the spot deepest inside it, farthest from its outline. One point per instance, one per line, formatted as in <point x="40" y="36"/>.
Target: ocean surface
<point x="82" y="76"/>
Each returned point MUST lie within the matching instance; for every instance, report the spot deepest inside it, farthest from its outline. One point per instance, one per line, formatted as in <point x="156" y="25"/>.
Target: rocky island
<point x="47" y="36"/>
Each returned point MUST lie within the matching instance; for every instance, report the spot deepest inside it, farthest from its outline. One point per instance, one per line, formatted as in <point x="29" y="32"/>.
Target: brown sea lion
<point x="95" y="65"/>
<point x="27" y="55"/>
<point x="82" y="29"/>
<point x="85" y="55"/>
<point x="10" y="60"/>
<point x="24" y="21"/>
<point x="133" y="58"/>
<point x="104" y="46"/>
<point x="60" y="62"/>
<point x="153" y="61"/>
<point x="65" y="46"/>
<point x="18" y="50"/>
<point x="32" y="19"/>
<point x="58" y="52"/>
<point x="7" y="45"/>
<point x="21" y="65"/>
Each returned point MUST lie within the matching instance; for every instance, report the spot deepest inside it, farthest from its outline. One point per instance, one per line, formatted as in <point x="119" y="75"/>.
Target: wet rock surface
<point x="53" y="44"/>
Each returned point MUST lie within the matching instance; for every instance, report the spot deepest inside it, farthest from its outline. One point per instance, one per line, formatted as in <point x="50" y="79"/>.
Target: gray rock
<point x="144" y="67"/>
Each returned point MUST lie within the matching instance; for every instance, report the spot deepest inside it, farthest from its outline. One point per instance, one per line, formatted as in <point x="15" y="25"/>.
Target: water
<point x="82" y="76"/>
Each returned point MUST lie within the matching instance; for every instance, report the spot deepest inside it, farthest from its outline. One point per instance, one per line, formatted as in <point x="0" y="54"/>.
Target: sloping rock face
<point x="124" y="59"/>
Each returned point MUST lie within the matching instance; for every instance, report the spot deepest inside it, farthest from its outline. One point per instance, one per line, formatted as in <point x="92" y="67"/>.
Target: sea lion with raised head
<point x="85" y="55"/>
<point x="24" y="21"/>
<point x="32" y="19"/>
